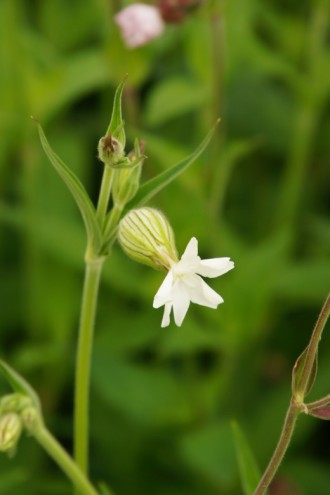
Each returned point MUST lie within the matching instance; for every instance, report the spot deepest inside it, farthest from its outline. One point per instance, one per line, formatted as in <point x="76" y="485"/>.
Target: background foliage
<point x="162" y="400"/>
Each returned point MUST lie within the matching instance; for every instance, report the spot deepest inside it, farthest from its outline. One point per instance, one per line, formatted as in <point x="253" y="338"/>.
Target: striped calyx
<point x="147" y="237"/>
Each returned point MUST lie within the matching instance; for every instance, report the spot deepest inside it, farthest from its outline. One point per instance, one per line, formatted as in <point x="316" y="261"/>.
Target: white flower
<point x="183" y="284"/>
<point x="139" y="23"/>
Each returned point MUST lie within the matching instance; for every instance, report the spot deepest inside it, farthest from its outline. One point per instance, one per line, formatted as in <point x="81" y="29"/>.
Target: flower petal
<point x="166" y="315"/>
<point x="181" y="302"/>
<point x="191" y="249"/>
<point x="214" y="267"/>
<point x="202" y="294"/>
<point x="163" y="294"/>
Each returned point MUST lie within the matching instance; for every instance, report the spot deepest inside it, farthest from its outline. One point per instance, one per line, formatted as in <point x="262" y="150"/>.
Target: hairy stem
<point x="281" y="448"/>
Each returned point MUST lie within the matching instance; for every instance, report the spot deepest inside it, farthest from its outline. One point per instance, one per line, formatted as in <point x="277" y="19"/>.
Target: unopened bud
<point x="110" y="150"/>
<point x="30" y="418"/>
<point x="147" y="237"/>
<point x="10" y="431"/>
<point x="127" y="180"/>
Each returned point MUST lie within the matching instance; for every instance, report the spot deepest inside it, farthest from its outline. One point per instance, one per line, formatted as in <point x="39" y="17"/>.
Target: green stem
<point x="281" y="448"/>
<point x="112" y="221"/>
<point x="104" y="196"/>
<point x="62" y="458"/>
<point x="85" y="342"/>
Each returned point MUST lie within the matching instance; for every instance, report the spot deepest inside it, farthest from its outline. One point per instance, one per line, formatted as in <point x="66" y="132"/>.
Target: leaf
<point x="78" y="192"/>
<point x="155" y="185"/>
<point x="116" y="126"/>
<point x="19" y="384"/>
<point x="320" y="412"/>
<point x="104" y="489"/>
<point x="209" y="451"/>
<point x="297" y="372"/>
<point x="174" y="97"/>
<point x="249" y="471"/>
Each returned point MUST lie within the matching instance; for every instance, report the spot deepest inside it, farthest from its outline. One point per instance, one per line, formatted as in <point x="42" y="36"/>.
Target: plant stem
<point x="319" y="403"/>
<point x="281" y="448"/>
<point x="62" y="458"/>
<point x="112" y="221"/>
<point x="313" y="346"/>
<point x="104" y="196"/>
<point x="85" y="342"/>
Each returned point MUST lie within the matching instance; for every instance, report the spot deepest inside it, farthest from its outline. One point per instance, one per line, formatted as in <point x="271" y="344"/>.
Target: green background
<point x="162" y="399"/>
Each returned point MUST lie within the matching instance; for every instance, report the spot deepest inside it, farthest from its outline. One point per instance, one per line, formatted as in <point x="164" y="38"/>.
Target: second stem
<point x="85" y="343"/>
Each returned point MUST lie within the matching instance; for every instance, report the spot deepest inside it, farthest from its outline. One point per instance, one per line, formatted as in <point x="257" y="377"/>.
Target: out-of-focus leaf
<point x="19" y="384"/>
<point x="155" y="185"/>
<point x="150" y="396"/>
<point x="210" y="452"/>
<point x="249" y="472"/>
<point x="304" y="281"/>
<point x="78" y="192"/>
<point x="67" y="80"/>
<point x="174" y="97"/>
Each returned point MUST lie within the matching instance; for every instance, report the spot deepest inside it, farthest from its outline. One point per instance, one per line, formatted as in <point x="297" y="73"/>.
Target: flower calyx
<point x="146" y="236"/>
<point x="17" y="412"/>
<point x="110" y="151"/>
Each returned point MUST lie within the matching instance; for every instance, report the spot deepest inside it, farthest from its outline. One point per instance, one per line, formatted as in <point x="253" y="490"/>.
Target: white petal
<point x="163" y="294"/>
<point x="191" y="249"/>
<point x="166" y="315"/>
<point x="181" y="302"/>
<point x="202" y="294"/>
<point x="214" y="267"/>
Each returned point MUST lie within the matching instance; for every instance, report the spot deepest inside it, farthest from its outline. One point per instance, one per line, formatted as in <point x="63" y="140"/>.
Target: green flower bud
<point x="147" y="237"/>
<point x="10" y="431"/>
<point x="110" y="150"/>
<point x="30" y="418"/>
<point x="127" y="180"/>
<point x="14" y="403"/>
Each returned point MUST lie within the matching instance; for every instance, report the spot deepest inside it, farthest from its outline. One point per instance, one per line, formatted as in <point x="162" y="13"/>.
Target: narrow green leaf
<point x="153" y="186"/>
<point x="77" y="190"/>
<point x="19" y="384"/>
<point x="116" y="126"/>
<point x="297" y="372"/>
<point x="249" y="472"/>
<point x="104" y="489"/>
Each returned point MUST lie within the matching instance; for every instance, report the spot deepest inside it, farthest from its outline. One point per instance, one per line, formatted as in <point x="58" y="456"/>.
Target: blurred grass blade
<point x="116" y="126"/>
<point x="77" y="190"/>
<point x="19" y="384"/>
<point x="153" y="186"/>
<point x="248" y="469"/>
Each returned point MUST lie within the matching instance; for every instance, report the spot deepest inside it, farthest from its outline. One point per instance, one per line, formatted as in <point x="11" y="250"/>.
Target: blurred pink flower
<point x="139" y="23"/>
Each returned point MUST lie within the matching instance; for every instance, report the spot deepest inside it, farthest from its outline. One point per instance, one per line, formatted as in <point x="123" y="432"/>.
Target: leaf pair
<point x="146" y="192"/>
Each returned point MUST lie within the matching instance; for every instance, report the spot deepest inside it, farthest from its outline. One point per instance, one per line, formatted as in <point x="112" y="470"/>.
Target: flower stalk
<point x="297" y="404"/>
<point x="85" y="343"/>
<point x="64" y="461"/>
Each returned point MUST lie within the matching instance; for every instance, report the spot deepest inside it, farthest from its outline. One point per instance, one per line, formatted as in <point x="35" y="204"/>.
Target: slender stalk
<point x="313" y="346"/>
<point x="325" y="401"/>
<point x="85" y="342"/>
<point x="105" y="191"/>
<point x="112" y="221"/>
<point x="281" y="448"/>
<point x="62" y="458"/>
<point x="297" y="402"/>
